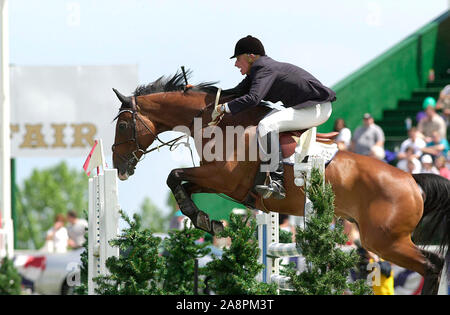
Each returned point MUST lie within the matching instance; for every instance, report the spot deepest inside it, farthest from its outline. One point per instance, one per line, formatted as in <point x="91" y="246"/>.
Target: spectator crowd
<point x="60" y="236"/>
<point x="426" y="148"/>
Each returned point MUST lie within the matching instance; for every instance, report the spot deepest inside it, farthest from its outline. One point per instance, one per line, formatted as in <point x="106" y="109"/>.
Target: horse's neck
<point x="172" y="109"/>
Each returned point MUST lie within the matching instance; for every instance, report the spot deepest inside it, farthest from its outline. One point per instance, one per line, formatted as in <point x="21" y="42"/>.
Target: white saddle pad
<point x="327" y="151"/>
<point x="307" y="146"/>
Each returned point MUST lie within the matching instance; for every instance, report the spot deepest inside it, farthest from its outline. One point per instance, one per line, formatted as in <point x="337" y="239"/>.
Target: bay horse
<point x="386" y="203"/>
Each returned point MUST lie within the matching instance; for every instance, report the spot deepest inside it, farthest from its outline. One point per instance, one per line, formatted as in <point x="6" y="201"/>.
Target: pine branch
<point x="327" y="266"/>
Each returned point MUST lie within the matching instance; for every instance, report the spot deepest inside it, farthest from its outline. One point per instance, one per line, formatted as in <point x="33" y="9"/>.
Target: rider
<point x="307" y="103"/>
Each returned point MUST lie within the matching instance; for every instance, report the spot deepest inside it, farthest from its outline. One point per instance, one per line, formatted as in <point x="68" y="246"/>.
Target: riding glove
<point x="217" y="114"/>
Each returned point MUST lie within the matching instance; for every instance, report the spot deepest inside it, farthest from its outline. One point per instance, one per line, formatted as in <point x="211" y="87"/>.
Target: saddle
<point x="288" y="143"/>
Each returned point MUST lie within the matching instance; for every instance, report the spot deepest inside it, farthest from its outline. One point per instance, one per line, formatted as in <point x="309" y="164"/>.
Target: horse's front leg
<point x="193" y="178"/>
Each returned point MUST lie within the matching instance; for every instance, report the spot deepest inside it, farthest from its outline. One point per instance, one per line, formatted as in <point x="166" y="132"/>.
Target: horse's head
<point x="163" y="105"/>
<point x="134" y="134"/>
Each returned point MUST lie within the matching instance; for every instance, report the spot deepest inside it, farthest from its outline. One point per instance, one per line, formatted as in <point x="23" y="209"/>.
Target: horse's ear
<point x="125" y="100"/>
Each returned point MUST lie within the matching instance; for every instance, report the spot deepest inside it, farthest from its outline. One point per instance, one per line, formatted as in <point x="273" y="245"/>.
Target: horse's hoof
<point x="217" y="227"/>
<point x="203" y="222"/>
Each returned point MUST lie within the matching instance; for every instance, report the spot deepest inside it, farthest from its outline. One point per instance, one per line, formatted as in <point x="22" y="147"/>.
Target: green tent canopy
<point x="218" y="207"/>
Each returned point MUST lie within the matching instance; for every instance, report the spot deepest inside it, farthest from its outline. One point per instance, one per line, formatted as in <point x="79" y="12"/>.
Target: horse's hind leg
<point x="405" y="253"/>
<point x="435" y="263"/>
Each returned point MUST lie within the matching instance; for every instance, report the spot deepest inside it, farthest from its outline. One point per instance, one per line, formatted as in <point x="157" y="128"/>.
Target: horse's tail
<point x="435" y="222"/>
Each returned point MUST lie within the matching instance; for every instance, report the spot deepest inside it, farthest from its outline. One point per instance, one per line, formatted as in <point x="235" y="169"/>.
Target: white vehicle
<point x="59" y="273"/>
<point x="50" y="273"/>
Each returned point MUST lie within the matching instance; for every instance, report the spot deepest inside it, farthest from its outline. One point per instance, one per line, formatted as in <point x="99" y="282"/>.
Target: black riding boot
<point x="275" y="186"/>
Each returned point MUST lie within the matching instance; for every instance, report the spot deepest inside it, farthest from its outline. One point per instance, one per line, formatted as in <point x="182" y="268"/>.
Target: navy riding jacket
<point x="274" y="81"/>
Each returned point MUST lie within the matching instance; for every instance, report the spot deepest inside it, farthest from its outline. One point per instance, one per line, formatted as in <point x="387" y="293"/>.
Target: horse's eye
<point x="123" y="126"/>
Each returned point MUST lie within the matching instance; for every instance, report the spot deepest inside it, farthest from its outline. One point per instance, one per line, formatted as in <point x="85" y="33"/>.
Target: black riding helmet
<point x="249" y="45"/>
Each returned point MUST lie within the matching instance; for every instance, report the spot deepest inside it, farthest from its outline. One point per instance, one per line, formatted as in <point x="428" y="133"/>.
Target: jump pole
<point x="103" y="223"/>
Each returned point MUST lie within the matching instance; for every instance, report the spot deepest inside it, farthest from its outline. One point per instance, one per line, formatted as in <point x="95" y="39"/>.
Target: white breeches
<point x="290" y="119"/>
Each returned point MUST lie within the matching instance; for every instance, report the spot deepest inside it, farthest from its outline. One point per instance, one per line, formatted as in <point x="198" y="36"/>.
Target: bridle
<point x="131" y="158"/>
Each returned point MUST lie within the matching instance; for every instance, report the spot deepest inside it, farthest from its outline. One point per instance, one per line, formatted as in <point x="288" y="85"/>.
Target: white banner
<point x="59" y="111"/>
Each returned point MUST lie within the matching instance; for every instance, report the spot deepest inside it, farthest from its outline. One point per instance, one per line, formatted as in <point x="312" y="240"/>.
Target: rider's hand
<point x="216" y="115"/>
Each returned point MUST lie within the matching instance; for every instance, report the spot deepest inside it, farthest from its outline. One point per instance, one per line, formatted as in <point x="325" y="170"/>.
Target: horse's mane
<point x="177" y="83"/>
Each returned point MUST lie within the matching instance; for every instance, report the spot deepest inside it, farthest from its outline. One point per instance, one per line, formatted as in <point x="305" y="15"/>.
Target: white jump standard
<point x="103" y="223"/>
<point x="268" y="231"/>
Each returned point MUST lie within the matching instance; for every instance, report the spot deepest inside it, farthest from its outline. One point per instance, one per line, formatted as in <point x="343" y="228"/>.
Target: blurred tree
<point x="172" y="204"/>
<point x="152" y="217"/>
<point x="44" y="194"/>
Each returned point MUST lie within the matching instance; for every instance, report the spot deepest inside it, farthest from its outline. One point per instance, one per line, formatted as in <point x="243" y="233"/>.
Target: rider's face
<point x="243" y="63"/>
